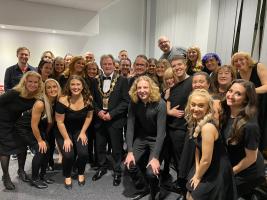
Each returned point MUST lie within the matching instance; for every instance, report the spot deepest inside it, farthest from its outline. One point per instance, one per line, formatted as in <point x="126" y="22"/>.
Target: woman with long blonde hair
<point x="211" y="176"/>
<point x="12" y="104"/>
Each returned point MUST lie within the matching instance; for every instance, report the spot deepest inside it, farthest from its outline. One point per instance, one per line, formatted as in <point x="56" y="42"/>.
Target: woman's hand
<point x="83" y="138"/>
<point x="155" y="166"/>
<point x="67" y="145"/>
<point x="175" y="112"/>
<point x="42" y="146"/>
<point x="129" y="160"/>
<point x="194" y="182"/>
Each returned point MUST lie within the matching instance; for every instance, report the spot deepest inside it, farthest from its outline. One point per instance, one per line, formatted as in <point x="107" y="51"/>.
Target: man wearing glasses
<point x="168" y="50"/>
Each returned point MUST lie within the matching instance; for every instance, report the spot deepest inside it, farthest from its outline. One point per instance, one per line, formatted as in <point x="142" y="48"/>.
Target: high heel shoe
<point x="81" y="183"/>
<point x="7" y="182"/>
<point x="68" y="186"/>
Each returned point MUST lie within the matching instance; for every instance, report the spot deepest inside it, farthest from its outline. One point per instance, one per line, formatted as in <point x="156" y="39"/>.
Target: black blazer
<point x="118" y="102"/>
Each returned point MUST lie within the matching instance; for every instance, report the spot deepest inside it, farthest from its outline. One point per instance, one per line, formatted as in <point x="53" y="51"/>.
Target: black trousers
<point x="142" y="147"/>
<point x="177" y="137"/>
<point x="69" y="158"/>
<point x="39" y="161"/>
<point x="115" y="135"/>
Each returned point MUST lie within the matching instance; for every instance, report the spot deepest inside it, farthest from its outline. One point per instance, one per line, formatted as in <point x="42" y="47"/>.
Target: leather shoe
<point x="7" y="182"/>
<point x="47" y="180"/>
<point x="99" y="174"/>
<point x="23" y="176"/>
<point x="140" y="194"/>
<point x="117" y="180"/>
<point x="38" y="184"/>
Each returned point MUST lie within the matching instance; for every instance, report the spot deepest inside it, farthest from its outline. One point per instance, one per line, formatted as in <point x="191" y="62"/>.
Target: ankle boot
<point x="7" y="182"/>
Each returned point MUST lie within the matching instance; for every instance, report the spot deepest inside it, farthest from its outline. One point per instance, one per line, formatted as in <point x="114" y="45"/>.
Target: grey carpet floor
<point x="98" y="190"/>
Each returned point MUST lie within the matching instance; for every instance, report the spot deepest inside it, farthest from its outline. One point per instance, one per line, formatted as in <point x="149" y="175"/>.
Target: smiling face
<point x="200" y="82"/>
<point x="143" y="90"/>
<point x="236" y="96"/>
<point x="125" y="67"/>
<point x="179" y="68"/>
<point x="47" y="57"/>
<point x="192" y="55"/>
<point x="51" y="89"/>
<point x="31" y="84"/>
<point x="140" y="66"/>
<point x="224" y="77"/>
<point x="92" y="70"/>
<point x="47" y="69"/>
<point x="76" y="87"/>
<point x="199" y="106"/>
<point x="164" y="44"/>
<point x="212" y="64"/>
<point x="160" y="69"/>
<point x="240" y="62"/>
<point x="79" y="66"/>
<point x="59" y="66"/>
<point x="170" y="82"/>
<point x="23" y="56"/>
<point x="108" y="66"/>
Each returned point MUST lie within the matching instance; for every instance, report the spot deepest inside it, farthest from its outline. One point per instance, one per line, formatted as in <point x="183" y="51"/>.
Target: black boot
<point x="7" y="182"/>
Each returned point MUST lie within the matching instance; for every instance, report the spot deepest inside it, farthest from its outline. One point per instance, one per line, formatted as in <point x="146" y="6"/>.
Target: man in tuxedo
<point x="111" y="100"/>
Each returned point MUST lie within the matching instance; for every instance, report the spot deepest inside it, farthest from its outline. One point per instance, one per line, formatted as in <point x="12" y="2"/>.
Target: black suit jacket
<point x="117" y="105"/>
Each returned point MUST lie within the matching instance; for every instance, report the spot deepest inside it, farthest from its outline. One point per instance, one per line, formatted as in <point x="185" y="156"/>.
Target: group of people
<point x="204" y="118"/>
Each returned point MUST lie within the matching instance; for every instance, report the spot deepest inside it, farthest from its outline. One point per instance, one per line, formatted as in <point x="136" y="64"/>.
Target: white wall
<point x="121" y="26"/>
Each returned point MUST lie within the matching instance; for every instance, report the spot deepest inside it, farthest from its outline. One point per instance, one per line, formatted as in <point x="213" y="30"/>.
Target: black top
<point x="74" y="120"/>
<point x="179" y="94"/>
<point x="13" y="75"/>
<point x="250" y="140"/>
<point x="12" y="105"/>
<point x="262" y="106"/>
<point x="147" y="121"/>
<point x="218" y="181"/>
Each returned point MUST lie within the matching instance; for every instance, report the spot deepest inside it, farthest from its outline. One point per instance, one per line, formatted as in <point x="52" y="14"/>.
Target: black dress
<point x="218" y="181"/>
<point x="262" y="107"/>
<point x="12" y="105"/>
<point x="248" y="178"/>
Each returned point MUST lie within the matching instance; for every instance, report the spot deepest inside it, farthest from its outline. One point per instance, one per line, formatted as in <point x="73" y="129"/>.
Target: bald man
<point x="168" y="50"/>
<point x="89" y="57"/>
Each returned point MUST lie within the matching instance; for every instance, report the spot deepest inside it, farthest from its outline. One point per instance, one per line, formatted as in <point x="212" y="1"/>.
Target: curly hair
<point x="154" y="95"/>
<point x="87" y="97"/>
<point x="191" y="66"/>
<point x="21" y="88"/>
<point x="194" y="127"/>
<point x="208" y="56"/>
<point x="246" y="55"/>
<point x="247" y="111"/>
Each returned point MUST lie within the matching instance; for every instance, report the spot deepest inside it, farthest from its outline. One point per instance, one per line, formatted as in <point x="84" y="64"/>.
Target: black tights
<point x="5" y="161"/>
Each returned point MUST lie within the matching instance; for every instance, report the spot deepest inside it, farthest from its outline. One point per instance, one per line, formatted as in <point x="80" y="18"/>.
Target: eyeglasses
<point x="163" y="42"/>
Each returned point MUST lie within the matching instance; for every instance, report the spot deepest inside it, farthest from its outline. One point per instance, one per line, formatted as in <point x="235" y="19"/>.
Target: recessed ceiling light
<point x="3" y="26"/>
<point x="53" y="31"/>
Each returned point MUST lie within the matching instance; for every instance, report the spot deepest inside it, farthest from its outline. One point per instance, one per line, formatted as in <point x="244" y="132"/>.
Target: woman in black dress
<point x="12" y="104"/>
<point x="74" y="115"/>
<point x="42" y="122"/>
<point x="211" y="177"/>
<point x="145" y="135"/>
<point x="255" y="72"/>
<point x="242" y="137"/>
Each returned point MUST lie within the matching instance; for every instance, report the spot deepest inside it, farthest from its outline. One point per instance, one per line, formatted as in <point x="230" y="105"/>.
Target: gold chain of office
<point x="112" y="85"/>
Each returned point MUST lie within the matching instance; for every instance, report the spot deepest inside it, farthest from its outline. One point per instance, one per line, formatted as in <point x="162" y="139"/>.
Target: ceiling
<point x="92" y="5"/>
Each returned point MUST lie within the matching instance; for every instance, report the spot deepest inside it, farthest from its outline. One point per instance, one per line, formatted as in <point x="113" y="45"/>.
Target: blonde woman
<point x="211" y="177"/>
<point x="145" y="134"/>
<point x="194" y="62"/>
<point x="12" y="104"/>
<point x="42" y="121"/>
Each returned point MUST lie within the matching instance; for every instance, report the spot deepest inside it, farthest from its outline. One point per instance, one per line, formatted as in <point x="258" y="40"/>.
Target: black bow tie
<point x="106" y="78"/>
